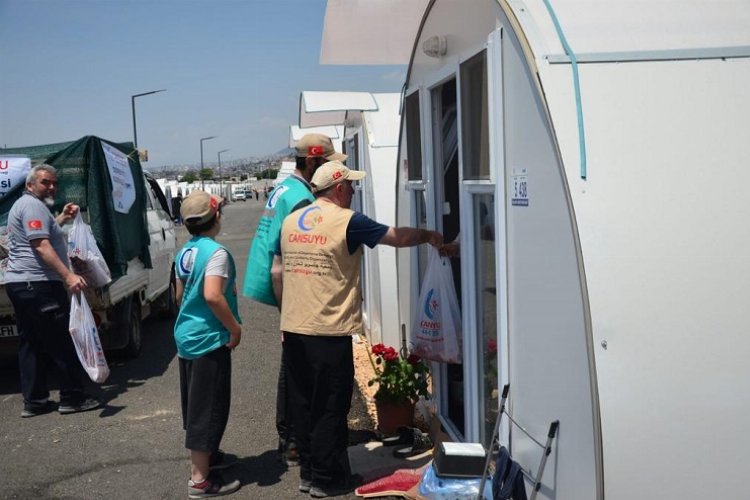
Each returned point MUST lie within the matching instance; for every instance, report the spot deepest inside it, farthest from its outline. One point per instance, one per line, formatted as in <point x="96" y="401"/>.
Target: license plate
<point x="8" y="331"/>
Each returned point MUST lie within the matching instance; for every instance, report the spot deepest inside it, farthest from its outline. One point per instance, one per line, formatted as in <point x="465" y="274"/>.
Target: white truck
<point x="120" y="307"/>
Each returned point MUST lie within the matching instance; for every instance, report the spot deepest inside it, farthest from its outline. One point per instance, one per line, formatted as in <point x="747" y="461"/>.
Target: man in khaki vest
<point x="318" y="265"/>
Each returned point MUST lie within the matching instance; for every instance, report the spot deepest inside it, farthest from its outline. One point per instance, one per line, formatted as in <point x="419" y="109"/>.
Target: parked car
<point x="238" y="194"/>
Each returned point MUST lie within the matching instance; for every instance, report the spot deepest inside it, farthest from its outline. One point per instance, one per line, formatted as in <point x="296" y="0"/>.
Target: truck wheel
<point x="170" y="299"/>
<point x="132" y="326"/>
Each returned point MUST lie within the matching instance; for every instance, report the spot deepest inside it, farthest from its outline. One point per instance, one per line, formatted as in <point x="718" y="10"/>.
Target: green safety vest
<point x="283" y="200"/>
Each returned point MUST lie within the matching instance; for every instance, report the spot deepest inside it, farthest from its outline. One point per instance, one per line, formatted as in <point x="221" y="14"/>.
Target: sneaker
<point x="304" y="485"/>
<point x="86" y="404"/>
<point x="37" y="409"/>
<point x="219" y="461"/>
<point x="335" y="489"/>
<point x="214" y="486"/>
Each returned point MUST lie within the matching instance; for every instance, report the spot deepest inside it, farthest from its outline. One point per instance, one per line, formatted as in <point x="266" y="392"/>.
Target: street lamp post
<point x="132" y="104"/>
<point x="221" y="183"/>
<point x="203" y="181"/>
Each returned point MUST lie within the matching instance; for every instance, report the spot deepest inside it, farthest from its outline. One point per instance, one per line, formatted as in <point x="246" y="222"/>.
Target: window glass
<point x="149" y="196"/>
<point x="474" y="122"/>
<point x="413" y="137"/>
<point x="483" y="211"/>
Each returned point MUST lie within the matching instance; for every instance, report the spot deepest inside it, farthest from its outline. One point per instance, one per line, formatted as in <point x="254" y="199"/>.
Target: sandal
<point x="420" y="442"/>
<point x="404" y="436"/>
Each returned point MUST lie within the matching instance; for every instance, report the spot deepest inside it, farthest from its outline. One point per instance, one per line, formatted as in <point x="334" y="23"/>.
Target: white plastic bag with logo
<point x="436" y="331"/>
<point x="85" y="337"/>
<point x="85" y="256"/>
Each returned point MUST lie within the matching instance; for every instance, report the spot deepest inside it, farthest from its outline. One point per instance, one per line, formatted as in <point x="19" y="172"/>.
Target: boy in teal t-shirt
<point x="206" y="331"/>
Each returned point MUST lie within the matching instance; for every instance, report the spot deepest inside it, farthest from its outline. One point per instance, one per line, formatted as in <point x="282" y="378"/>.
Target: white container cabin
<point x="369" y="125"/>
<point x="594" y="159"/>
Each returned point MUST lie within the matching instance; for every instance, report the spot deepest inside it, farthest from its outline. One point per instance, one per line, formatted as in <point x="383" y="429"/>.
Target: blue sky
<point x="232" y="68"/>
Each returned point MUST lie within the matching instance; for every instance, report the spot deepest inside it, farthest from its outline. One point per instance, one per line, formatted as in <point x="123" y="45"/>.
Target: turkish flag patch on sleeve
<point x="35" y="224"/>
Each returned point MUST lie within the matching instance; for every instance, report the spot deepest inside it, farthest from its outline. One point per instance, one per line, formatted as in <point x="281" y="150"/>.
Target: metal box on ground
<point x="460" y="459"/>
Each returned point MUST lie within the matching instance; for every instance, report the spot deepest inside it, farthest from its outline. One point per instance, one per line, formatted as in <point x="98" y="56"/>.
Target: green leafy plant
<point x="400" y="379"/>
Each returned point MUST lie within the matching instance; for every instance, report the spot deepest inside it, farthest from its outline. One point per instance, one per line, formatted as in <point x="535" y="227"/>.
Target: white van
<point x="238" y="193"/>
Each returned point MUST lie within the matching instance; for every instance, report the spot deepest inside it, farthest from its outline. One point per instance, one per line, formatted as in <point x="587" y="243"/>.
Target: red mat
<point x="397" y="484"/>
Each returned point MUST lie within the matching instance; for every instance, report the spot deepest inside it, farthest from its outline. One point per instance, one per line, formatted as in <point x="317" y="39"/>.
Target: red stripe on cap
<point x="337" y="174"/>
<point x="315" y="151"/>
<point x="212" y="203"/>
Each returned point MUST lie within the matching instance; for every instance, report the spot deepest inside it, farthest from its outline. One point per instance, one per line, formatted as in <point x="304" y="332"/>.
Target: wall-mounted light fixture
<point x="435" y="46"/>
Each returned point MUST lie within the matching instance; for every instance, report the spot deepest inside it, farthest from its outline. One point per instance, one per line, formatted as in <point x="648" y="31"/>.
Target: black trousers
<point x="205" y="393"/>
<point x="42" y="311"/>
<point x="320" y="380"/>
<point x="284" y="425"/>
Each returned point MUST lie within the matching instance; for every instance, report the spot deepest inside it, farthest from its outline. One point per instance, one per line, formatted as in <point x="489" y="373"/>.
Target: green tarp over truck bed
<point x="85" y="180"/>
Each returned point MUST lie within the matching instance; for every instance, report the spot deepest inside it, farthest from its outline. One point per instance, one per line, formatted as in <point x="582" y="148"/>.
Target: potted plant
<point x="401" y="381"/>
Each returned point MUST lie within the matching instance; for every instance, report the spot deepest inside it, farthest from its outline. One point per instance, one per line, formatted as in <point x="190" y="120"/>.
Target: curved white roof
<point x="633" y="26"/>
<point x="619" y="27"/>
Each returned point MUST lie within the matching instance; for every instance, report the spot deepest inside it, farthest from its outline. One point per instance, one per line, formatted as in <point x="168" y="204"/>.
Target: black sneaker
<point x="214" y="486"/>
<point x="85" y="404"/>
<point x="37" y="409"/>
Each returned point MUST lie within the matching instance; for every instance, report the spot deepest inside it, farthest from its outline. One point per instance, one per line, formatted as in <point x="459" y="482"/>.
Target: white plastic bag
<point x="85" y="256"/>
<point x="85" y="337"/>
<point x="436" y="331"/>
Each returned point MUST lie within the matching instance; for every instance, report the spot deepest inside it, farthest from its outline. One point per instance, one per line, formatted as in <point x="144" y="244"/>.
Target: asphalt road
<point x="134" y="446"/>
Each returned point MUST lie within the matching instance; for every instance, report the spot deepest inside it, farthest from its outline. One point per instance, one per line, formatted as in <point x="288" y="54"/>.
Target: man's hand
<point x="451" y="249"/>
<point x="435" y="239"/>
<point x="235" y="337"/>
<point x="75" y="283"/>
<point x="69" y="211"/>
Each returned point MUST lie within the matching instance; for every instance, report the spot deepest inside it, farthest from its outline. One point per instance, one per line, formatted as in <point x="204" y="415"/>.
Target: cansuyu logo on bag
<point x="431" y="320"/>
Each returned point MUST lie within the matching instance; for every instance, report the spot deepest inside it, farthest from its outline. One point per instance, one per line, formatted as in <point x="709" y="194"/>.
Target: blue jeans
<point x="42" y="313"/>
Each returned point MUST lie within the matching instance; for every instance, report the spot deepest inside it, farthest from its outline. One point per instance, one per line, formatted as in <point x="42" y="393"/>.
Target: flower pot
<point x="391" y="416"/>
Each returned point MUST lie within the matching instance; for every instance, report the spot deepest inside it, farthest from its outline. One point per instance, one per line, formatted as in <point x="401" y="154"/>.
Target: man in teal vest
<point x="312" y="150"/>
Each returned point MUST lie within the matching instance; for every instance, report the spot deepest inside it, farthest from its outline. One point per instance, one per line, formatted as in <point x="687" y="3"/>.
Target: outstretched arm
<point x="400" y="237"/>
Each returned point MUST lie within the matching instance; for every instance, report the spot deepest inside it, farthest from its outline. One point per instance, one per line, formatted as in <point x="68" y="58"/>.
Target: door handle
<point x="163" y="234"/>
